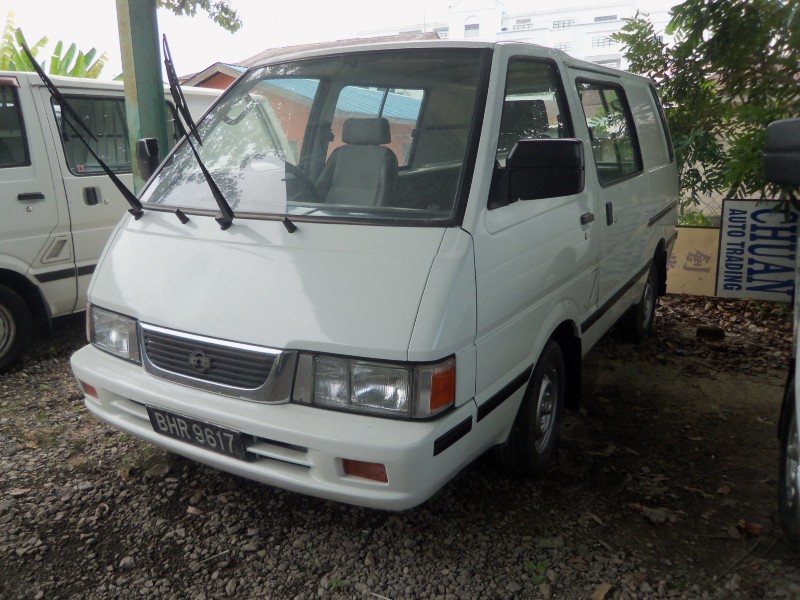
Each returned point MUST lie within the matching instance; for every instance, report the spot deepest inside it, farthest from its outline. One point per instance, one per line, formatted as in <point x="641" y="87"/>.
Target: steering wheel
<point x="299" y="186"/>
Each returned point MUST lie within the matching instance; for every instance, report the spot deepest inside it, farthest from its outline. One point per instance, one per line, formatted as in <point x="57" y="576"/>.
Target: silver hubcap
<point x="792" y="492"/>
<point x="545" y="409"/>
<point x="8" y="330"/>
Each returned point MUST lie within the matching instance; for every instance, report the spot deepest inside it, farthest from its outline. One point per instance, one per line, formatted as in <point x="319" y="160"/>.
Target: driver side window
<point x="534" y="105"/>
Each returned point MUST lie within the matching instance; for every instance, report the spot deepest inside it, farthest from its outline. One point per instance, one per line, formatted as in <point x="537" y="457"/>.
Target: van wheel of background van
<point x="532" y="443"/>
<point x="637" y="323"/>
<point x="788" y="481"/>
<point x="16" y="327"/>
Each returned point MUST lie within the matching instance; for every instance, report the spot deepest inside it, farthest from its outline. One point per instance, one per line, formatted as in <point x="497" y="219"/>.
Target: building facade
<point x="582" y="29"/>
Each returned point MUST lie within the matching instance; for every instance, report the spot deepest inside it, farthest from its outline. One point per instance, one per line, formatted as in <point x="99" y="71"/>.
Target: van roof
<point x="404" y="45"/>
<point x="63" y="82"/>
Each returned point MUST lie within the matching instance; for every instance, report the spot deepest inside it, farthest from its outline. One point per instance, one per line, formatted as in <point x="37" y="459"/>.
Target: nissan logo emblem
<point x="200" y="361"/>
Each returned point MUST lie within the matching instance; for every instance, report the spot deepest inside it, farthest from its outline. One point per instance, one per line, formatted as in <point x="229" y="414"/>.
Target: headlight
<point x="114" y="333"/>
<point x="390" y="389"/>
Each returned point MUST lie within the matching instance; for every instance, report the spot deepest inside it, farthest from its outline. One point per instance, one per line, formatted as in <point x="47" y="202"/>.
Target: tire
<point x="16" y="327"/>
<point x="636" y="324"/>
<point x="533" y="442"/>
<point x="788" y="474"/>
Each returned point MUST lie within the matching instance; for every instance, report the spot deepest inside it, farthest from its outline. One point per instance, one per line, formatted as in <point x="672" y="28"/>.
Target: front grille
<point x="207" y="360"/>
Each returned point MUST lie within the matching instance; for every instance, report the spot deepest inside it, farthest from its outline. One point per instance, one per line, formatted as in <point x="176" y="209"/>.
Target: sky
<point x="197" y="42"/>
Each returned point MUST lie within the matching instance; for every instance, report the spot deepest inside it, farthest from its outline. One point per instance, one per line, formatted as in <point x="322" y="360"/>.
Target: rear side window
<point x="401" y="107"/>
<point x="533" y="106"/>
<point x="106" y="119"/>
<point x="13" y="149"/>
<point x="664" y="125"/>
<point x="608" y="117"/>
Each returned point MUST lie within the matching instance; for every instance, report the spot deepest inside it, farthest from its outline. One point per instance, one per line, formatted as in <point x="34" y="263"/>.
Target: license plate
<point x="197" y="433"/>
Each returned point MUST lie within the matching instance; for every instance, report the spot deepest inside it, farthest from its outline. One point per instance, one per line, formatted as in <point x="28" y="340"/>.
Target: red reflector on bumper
<point x="89" y="390"/>
<point x="367" y="470"/>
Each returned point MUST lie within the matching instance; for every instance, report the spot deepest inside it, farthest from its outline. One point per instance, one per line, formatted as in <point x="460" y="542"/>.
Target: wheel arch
<point x="29" y="293"/>
<point x="566" y="334"/>
<point x="660" y="259"/>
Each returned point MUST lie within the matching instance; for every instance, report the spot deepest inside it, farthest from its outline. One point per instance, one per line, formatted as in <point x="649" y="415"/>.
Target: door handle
<point x="90" y="196"/>
<point x="609" y="213"/>
<point x="587" y="218"/>
<point x="28" y="196"/>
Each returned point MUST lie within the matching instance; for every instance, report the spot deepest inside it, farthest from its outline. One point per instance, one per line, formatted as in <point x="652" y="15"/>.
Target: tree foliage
<point x="218" y="11"/>
<point x="71" y="62"/>
<point x="733" y="67"/>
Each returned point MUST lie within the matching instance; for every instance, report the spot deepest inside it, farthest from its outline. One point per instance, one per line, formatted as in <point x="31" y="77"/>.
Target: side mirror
<point x="539" y="168"/>
<point x="147" y="156"/>
<point x="782" y="152"/>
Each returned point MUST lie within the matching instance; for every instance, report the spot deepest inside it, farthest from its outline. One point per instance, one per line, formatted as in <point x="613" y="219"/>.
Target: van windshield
<point x="362" y="136"/>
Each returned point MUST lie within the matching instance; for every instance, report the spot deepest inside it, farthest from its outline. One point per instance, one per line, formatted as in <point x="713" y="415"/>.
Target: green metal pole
<point x="141" y="66"/>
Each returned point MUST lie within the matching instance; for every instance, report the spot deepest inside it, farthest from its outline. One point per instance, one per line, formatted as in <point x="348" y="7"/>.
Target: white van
<point x="463" y="221"/>
<point x="58" y="208"/>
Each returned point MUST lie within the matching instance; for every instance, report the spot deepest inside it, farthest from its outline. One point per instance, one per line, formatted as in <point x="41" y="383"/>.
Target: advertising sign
<point x="757" y="251"/>
<point x="692" y="266"/>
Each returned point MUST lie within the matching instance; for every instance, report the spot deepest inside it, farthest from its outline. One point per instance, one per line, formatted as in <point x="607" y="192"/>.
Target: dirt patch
<point x="678" y="438"/>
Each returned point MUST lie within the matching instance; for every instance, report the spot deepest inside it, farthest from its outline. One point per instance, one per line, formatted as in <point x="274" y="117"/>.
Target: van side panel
<point x="34" y="228"/>
<point x="534" y="261"/>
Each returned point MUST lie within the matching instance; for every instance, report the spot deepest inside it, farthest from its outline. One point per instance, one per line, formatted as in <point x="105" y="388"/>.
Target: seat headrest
<point x="366" y="132"/>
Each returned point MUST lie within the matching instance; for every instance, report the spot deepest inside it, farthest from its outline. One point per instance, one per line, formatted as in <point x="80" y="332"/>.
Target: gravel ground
<point x="660" y="492"/>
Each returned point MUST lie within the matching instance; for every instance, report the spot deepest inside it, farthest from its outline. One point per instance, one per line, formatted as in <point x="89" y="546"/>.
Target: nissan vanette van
<point x="404" y="280"/>
<point x="57" y="207"/>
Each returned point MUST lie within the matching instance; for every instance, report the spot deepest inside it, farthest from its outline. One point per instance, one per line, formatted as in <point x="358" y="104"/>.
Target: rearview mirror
<point x="147" y="156"/>
<point x="782" y="152"/>
<point x="539" y="168"/>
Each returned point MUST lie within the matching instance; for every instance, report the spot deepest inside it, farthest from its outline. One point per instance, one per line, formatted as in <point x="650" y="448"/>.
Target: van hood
<point x="345" y="289"/>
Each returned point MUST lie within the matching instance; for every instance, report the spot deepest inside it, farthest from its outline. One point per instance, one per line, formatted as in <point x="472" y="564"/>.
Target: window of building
<point x="614" y="64"/>
<point x="605" y="18"/>
<point x="563" y="46"/>
<point x="13" y="147"/>
<point x="472" y="30"/>
<point x="602" y="41"/>
<point x="443" y="32"/>
<point x="614" y="143"/>
<point x="563" y="24"/>
<point x="523" y="21"/>
<point x="522" y="27"/>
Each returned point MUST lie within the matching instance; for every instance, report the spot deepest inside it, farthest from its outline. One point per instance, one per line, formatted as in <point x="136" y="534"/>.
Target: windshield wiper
<point x="225" y="216"/>
<point x="67" y="110"/>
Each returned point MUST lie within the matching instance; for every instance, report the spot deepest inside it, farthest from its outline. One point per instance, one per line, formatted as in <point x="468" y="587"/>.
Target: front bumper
<point x="295" y="447"/>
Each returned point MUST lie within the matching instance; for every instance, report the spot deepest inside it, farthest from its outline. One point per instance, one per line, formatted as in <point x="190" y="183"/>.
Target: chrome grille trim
<point x="235" y="369"/>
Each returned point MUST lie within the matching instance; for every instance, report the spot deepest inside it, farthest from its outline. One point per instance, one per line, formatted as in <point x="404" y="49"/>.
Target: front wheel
<point x="789" y="470"/>
<point x="533" y="441"/>
<point x="16" y="327"/>
<point x="636" y="324"/>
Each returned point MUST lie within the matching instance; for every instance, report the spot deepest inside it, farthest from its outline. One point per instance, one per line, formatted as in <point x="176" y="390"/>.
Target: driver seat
<point x="362" y="172"/>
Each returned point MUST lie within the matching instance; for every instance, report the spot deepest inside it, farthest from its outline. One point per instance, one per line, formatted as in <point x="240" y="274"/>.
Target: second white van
<point x="57" y="207"/>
